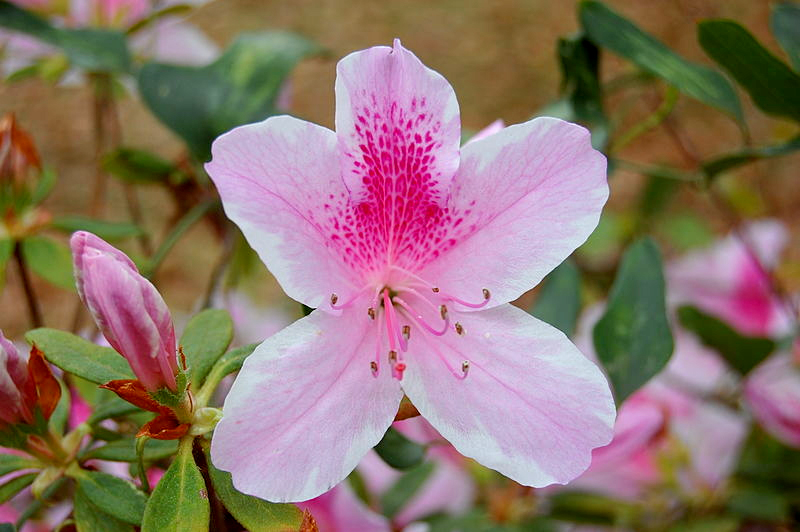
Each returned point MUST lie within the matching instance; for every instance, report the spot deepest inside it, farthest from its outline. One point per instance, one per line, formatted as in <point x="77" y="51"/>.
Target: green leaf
<point x="113" y="495"/>
<point x="559" y="299"/>
<point x="743" y="353"/>
<point x="240" y="87"/>
<point x="45" y="184"/>
<point x="89" y="518"/>
<point x="205" y="339"/>
<point x="772" y="85"/>
<point x="404" y="488"/>
<point x="80" y="357"/>
<point x="50" y="260"/>
<point x="15" y="485"/>
<point x="113" y="407"/>
<point x="785" y="23"/>
<point x="180" y="501"/>
<point x="256" y="515"/>
<point x="608" y="29"/>
<point x="6" y="250"/>
<point x="124" y="450"/>
<point x="632" y="338"/>
<point x="103" y="229"/>
<point x="12" y="462"/>
<point x="138" y="166"/>
<point x="97" y="50"/>
<point x="721" y="164"/>
<point x="60" y="416"/>
<point x="233" y="359"/>
<point x="398" y="451"/>
<point x="759" y="503"/>
<point x="584" y="507"/>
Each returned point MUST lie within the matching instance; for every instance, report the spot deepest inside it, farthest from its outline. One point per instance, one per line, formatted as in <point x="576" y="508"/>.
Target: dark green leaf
<point x="88" y="48"/>
<point x="60" y="416"/>
<point x="111" y="408"/>
<point x="743" y="353"/>
<point x="113" y="495"/>
<point x="6" y="250"/>
<point x="124" y="450"/>
<point x="102" y="228"/>
<point x="89" y="518"/>
<point x="608" y="29"/>
<point x="583" y="507"/>
<point x="138" y="166"/>
<point x="759" y="503"/>
<point x="49" y="259"/>
<point x="398" y="451"/>
<point x="256" y="515"/>
<point x="12" y="462"/>
<point x="721" y="523"/>
<point x="559" y="299"/>
<point x="180" y="501"/>
<point x="785" y="23"/>
<point x="765" y="461"/>
<point x="747" y="155"/>
<point x="404" y="488"/>
<point x="240" y="87"/>
<point x="80" y="357"/>
<point x="772" y="85"/>
<point x="15" y="485"/>
<point x="205" y="339"/>
<point x="633" y="339"/>
<point x="7" y="527"/>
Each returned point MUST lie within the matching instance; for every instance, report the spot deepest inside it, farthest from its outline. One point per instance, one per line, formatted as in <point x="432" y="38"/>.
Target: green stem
<point x="30" y="296"/>
<point x="213" y="379"/>
<point x="658" y="171"/>
<point x="140" y="443"/>
<point x="650" y="122"/>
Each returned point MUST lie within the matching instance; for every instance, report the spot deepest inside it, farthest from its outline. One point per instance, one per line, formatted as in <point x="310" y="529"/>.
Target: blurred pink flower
<point x="772" y="391"/>
<point x="339" y="510"/>
<point x="128" y="310"/>
<point x="423" y="245"/>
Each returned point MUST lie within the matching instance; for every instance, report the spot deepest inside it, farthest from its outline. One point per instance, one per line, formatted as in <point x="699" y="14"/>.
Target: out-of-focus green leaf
<point x="632" y="338"/>
<point x="124" y="450"/>
<point x="785" y="23"/>
<point x="721" y="523"/>
<point x="205" y="339"/>
<point x="765" y="461"/>
<point x="686" y="230"/>
<point x="398" y="451"/>
<point x="6" y="250"/>
<point x="44" y="185"/>
<point x="721" y="164"/>
<point x="580" y="70"/>
<point x="138" y="166"/>
<point x="80" y="357"/>
<point x="111" y="408"/>
<point x="743" y="353"/>
<point x="49" y="259"/>
<point x="255" y="514"/>
<point x="15" y="485"/>
<point x="240" y="87"/>
<point x="89" y="518"/>
<point x="12" y="462"/>
<point x="609" y="30"/>
<point x="559" y="299"/>
<point x="113" y="495"/>
<point x="96" y="50"/>
<point x="404" y="488"/>
<point x="584" y="507"/>
<point x="773" y="86"/>
<point x="180" y="501"/>
<point x="759" y="503"/>
<point x="102" y="228"/>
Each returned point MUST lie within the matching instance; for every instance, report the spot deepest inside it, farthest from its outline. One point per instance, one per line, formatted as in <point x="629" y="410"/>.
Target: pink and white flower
<point x="772" y="391"/>
<point x="411" y="248"/>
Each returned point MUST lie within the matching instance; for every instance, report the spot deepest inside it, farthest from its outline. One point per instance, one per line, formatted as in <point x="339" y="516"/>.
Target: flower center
<point x="411" y="302"/>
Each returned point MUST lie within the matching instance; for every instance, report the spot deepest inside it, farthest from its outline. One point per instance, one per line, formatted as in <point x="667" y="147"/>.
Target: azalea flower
<point x="772" y="391"/>
<point x="410" y="248"/>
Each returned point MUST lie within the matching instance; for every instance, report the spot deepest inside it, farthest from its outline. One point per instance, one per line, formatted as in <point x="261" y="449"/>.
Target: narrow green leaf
<point x="89" y="518"/>
<point x="12" y="462"/>
<point x="102" y="228"/>
<point x="559" y="299"/>
<point x="398" y="451"/>
<point x="721" y="164"/>
<point x="404" y="488"/>
<point x="138" y="166"/>
<point x="6" y="251"/>
<point x="785" y="23"/>
<point x="80" y="357"/>
<point x="743" y="353"/>
<point x="610" y="30"/>
<point x="256" y="515"/>
<point x="113" y="495"/>
<point x="240" y="87"/>
<point x="111" y="408"/>
<point x="585" y="507"/>
<point x="772" y="85"/>
<point x="15" y="485"/>
<point x="180" y="501"/>
<point x="60" y="416"/>
<point x="632" y="338"/>
<point x="232" y="360"/>
<point x="761" y="503"/>
<point x="205" y="339"/>
<point x="50" y="259"/>
<point x="45" y="184"/>
<point x="124" y="450"/>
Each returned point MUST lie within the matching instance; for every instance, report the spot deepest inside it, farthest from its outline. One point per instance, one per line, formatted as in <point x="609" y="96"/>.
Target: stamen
<point x="407" y="332"/>
<point x="371" y="313"/>
<point x="458" y="375"/>
<point x="443" y="311"/>
<point x="465" y="367"/>
<point x="335" y="299"/>
<point x="374" y="367"/>
<point x="392" y="325"/>
<point x="459" y="329"/>
<point x="421" y="320"/>
<point x="486" y="294"/>
<point x="392" y="356"/>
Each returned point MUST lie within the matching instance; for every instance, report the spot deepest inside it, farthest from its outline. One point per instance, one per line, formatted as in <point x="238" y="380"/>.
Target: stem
<point x="54" y="444"/>
<point x="217" y="509"/>
<point x="101" y="88"/>
<point x="140" y="443"/>
<point x="649" y="122"/>
<point x="219" y="270"/>
<point x="30" y="296"/>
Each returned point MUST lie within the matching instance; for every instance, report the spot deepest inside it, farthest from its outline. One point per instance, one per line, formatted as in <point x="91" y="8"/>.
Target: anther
<point x="465" y="367"/>
<point x="371" y="312"/>
<point x="435" y="289"/>
<point x="374" y="367"/>
<point x="486" y="294"/>
<point x="334" y="299"/>
<point x="407" y="332"/>
<point x="392" y="356"/>
<point x="459" y="329"/>
<point x="443" y="311"/>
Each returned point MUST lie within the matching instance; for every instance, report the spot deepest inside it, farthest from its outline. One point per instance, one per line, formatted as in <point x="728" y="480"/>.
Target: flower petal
<point x="525" y="198"/>
<point x="531" y="406"/>
<point x="339" y="510"/>
<point x="773" y="392"/>
<point x="280" y="182"/>
<point x="305" y="409"/>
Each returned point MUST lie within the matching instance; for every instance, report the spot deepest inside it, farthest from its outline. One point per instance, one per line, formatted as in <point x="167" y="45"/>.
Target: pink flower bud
<point x="127" y="308"/>
<point x="17" y="389"/>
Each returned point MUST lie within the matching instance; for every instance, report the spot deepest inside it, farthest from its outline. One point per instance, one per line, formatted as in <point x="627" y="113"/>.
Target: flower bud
<point x="18" y="155"/>
<point x="128" y="309"/>
<point x="17" y="389"/>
